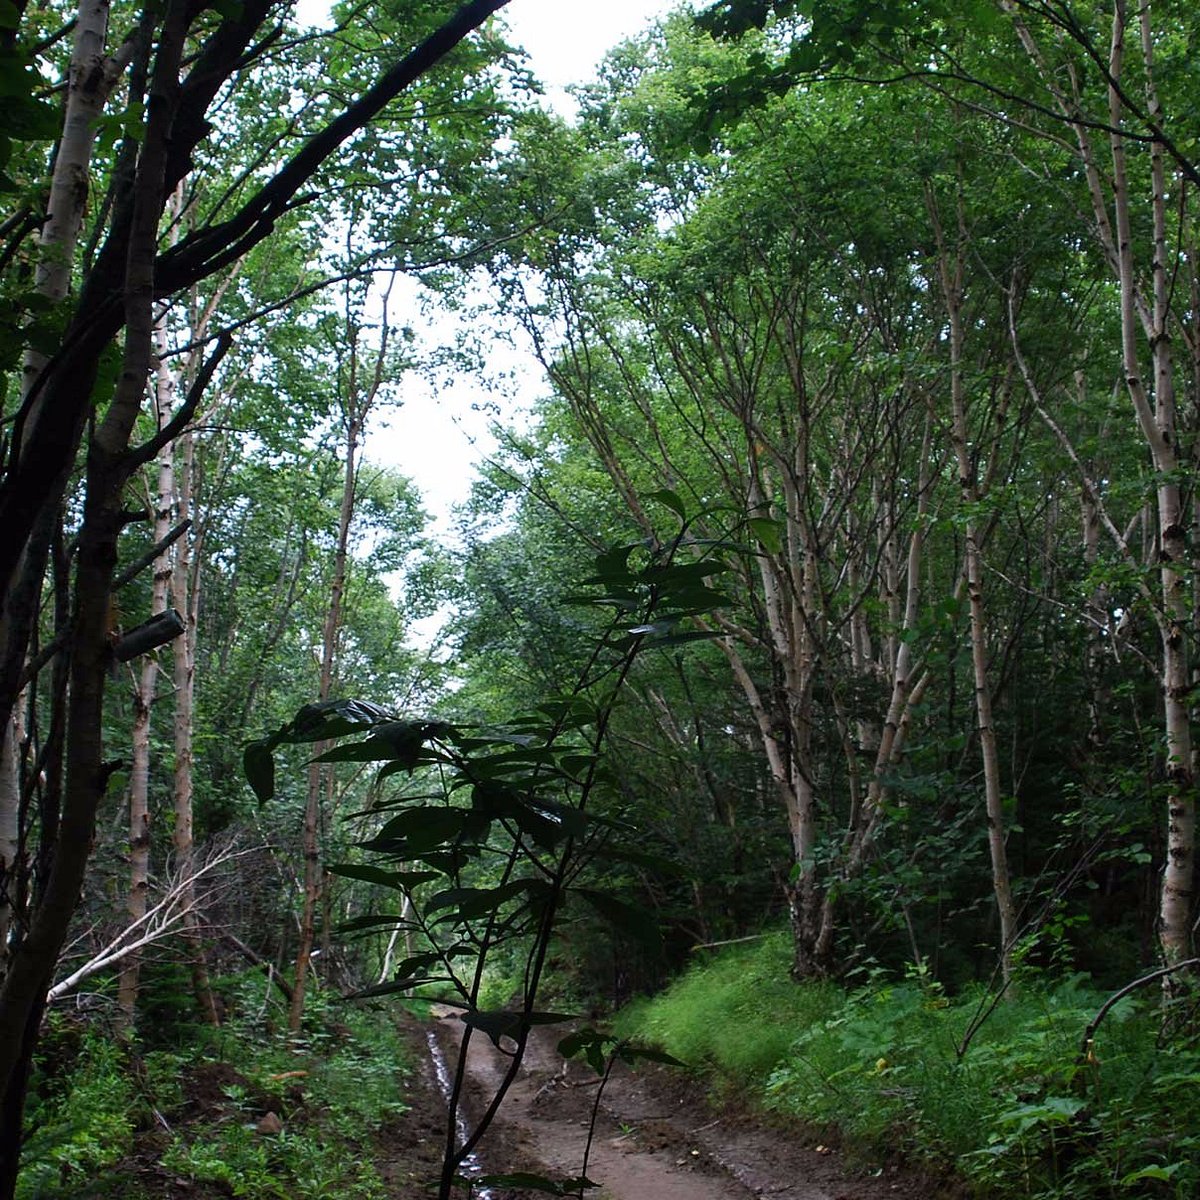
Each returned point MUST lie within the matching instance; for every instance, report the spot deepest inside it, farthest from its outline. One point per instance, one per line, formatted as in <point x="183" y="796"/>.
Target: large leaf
<point x="613" y="567"/>
<point x="259" y="765"/>
<point x="381" y="876"/>
<point x="470" y="902"/>
<point x="768" y="533"/>
<point x="635" y="923"/>
<point x="392" y="986"/>
<point x="658" y="863"/>
<point x="669" y="499"/>
<point x="589" y="1043"/>
<point x="629" y="1052"/>
<point x="416" y="831"/>
<point x="330" y="719"/>
<point x="509" y="1023"/>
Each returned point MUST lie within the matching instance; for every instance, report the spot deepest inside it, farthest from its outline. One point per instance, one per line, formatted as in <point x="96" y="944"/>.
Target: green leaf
<point x="1160" y="1173"/>
<point x="630" y="1053"/>
<point x="369" y="921"/>
<point x="416" y="831"/>
<point x="768" y="532"/>
<point x="613" y="566"/>
<point x="400" y="743"/>
<point x="29" y="120"/>
<point x="330" y="719"/>
<point x="392" y="986"/>
<point x="502" y="1023"/>
<point x="670" y="500"/>
<point x="634" y="922"/>
<point x="258" y="763"/>
<point x="382" y="877"/>
<point x="688" y="635"/>
<point x="639" y="858"/>
<point x="591" y="1043"/>
<point x="472" y="902"/>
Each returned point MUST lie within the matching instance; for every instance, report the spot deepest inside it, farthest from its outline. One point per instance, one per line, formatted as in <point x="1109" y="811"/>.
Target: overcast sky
<point x="566" y="39"/>
<point x="436" y="438"/>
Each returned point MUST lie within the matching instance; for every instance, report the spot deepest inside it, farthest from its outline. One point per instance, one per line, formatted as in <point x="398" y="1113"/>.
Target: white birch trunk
<point x="952" y="271"/>
<point x="1175" y="911"/>
<point x="185" y="588"/>
<point x="10" y="829"/>
<point x="147" y="682"/>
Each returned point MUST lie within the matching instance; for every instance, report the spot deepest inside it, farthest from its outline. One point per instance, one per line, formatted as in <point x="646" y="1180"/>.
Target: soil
<point x="658" y="1135"/>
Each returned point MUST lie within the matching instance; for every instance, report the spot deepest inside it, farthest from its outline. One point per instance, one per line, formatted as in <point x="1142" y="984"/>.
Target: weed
<point x="333" y="1096"/>
<point x="81" y="1126"/>
<point x="1020" y="1113"/>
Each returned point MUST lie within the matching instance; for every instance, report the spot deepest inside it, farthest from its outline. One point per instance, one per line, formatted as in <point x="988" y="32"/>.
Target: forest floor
<point x="659" y="1135"/>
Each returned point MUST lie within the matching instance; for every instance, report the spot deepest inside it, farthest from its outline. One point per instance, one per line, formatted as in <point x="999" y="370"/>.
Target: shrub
<point x="81" y="1124"/>
<point x="1015" y="1107"/>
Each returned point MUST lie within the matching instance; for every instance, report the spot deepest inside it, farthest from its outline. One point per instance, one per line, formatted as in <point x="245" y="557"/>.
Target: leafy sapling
<point x="491" y="831"/>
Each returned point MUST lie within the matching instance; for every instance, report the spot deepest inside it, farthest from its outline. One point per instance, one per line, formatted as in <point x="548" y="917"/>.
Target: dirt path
<point x="656" y="1138"/>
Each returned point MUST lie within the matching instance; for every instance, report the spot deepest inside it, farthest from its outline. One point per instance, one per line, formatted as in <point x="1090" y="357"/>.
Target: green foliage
<point x="284" y="1165"/>
<point x="1001" y="1092"/>
<point x="333" y="1093"/>
<point x="83" y="1121"/>
<point x="491" y="831"/>
<point x="738" y="1012"/>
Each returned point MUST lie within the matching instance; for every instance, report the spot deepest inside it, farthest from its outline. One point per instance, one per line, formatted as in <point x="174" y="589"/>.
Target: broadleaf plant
<point x="486" y="833"/>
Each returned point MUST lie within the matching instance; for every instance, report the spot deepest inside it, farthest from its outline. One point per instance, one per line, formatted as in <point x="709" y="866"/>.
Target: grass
<point x="737" y="1011"/>
<point x="333" y="1091"/>
<point x="1019" y="1113"/>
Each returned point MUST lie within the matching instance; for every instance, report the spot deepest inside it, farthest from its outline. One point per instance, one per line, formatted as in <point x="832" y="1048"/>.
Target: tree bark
<point x="185" y="588"/>
<point x="143" y="699"/>
<point x="952" y="269"/>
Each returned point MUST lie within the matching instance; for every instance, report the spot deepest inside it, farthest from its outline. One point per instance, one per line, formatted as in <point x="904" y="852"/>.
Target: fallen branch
<point x="158" y="922"/>
<point x="754" y="937"/>
<point x="252" y="956"/>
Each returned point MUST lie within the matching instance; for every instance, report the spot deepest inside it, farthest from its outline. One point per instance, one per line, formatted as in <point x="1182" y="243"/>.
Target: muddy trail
<point x="657" y="1135"/>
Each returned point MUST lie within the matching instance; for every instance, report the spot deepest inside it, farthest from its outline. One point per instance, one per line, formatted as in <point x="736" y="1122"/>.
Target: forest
<point x="808" y="717"/>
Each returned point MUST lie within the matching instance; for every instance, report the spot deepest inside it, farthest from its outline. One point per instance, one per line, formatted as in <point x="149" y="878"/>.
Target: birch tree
<point x="180" y="61"/>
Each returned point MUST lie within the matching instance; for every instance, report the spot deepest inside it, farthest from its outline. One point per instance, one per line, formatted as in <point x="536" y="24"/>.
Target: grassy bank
<point x="1004" y="1095"/>
<point x="146" y="1120"/>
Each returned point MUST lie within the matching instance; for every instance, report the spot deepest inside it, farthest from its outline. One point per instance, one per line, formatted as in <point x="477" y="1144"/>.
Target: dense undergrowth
<point x="144" y="1120"/>
<point x="1003" y="1095"/>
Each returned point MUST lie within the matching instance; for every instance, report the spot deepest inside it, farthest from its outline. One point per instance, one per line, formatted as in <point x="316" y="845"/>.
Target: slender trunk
<point x="185" y="587"/>
<point x="10" y="827"/>
<point x="143" y="698"/>
<point x="1175" y="914"/>
<point x="312" y="807"/>
<point x="90" y="78"/>
<point x="952" y="266"/>
<point x="1147" y="318"/>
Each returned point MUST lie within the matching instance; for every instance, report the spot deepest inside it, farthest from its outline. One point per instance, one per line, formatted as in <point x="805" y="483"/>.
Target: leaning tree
<point x="145" y="89"/>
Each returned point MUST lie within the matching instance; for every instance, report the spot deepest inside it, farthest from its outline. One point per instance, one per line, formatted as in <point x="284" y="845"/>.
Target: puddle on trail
<point x="471" y="1167"/>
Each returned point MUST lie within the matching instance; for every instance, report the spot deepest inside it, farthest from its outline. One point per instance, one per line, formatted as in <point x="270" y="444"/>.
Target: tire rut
<point x="654" y="1139"/>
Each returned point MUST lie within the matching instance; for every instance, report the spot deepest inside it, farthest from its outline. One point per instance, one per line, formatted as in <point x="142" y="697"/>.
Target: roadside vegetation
<point x="1012" y="1097"/>
<point x="244" y="1110"/>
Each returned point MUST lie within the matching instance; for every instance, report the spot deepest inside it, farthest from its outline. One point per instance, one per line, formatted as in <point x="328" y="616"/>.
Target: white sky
<point x="436" y="439"/>
<point x="566" y="39"/>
